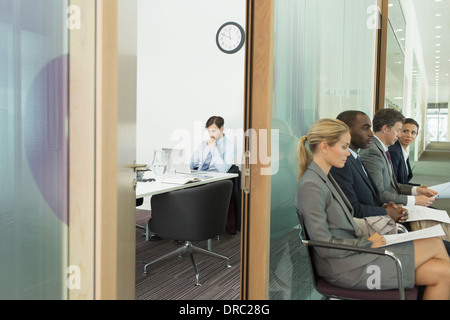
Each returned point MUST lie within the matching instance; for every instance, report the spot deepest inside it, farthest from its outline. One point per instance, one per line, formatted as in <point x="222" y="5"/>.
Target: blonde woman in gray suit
<point x="328" y="216"/>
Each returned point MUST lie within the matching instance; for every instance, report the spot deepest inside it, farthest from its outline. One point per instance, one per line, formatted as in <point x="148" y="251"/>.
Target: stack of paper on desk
<point x="418" y="213"/>
<point x="443" y="190"/>
<point x="435" y="231"/>
<point x="180" y="180"/>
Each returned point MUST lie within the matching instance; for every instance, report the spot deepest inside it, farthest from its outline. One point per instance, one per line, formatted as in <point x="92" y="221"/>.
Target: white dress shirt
<point x="406" y="156"/>
<point x="223" y="156"/>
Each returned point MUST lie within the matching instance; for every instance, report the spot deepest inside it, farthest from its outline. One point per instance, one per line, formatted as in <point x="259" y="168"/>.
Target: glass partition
<point x="324" y="64"/>
<point x="416" y="112"/>
<point x="395" y="59"/>
<point x="33" y="149"/>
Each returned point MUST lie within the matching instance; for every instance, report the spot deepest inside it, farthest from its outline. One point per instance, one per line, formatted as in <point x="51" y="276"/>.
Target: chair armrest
<point x="401" y="228"/>
<point x="379" y="252"/>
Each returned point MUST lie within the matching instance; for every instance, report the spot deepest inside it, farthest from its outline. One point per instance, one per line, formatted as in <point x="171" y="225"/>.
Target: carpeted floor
<point x="174" y="278"/>
<point x="433" y="168"/>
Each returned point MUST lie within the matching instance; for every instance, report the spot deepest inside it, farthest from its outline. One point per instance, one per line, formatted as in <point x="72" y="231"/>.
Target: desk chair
<point x="331" y="291"/>
<point x="140" y="202"/>
<point x="234" y="211"/>
<point x="192" y="214"/>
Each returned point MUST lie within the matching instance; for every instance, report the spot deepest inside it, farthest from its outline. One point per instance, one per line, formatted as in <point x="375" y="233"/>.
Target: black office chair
<point x="331" y="291"/>
<point x="192" y="214"/>
<point x="234" y="211"/>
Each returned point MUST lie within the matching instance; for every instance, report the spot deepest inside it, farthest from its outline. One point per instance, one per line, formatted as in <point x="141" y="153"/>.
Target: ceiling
<point x="433" y="18"/>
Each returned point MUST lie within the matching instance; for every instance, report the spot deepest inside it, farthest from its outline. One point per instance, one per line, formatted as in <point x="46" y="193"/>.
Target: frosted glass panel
<point x="33" y="149"/>
<point x="324" y="64"/>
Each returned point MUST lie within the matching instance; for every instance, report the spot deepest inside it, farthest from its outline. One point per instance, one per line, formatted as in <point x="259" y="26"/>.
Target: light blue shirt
<point x="223" y="156"/>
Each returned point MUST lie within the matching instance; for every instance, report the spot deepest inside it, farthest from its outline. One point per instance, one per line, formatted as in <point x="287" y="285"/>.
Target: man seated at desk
<point x="216" y="154"/>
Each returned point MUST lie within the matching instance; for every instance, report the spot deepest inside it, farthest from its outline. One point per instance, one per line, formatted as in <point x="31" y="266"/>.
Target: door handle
<point x="139" y="167"/>
<point x="245" y="181"/>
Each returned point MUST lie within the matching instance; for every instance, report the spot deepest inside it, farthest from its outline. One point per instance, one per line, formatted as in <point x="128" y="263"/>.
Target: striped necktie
<point x="388" y="156"/>
<point x="207" y="162"/>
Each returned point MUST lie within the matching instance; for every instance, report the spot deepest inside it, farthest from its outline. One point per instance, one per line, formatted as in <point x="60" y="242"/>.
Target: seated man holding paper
<point x="328" y="217"/>
<point x="216" y="154"/>
<point x="356" y="181"/>
<point x="387" y="124"/>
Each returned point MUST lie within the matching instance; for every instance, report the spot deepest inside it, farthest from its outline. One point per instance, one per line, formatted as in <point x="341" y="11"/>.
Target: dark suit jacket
<point x="402" y="171"/>
<point x="359" y="188"/>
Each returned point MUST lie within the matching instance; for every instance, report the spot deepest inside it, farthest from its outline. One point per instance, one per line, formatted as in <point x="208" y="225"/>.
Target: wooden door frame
<point x="82" y="86"/>
<point x="102" y="236"/>
<point x="381" y="56"/>
<point x="255" y="248"/>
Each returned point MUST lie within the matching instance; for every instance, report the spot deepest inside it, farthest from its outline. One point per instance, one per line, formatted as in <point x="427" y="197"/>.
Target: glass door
<point x="33" y="149"/>
<point x="306" y="60"/>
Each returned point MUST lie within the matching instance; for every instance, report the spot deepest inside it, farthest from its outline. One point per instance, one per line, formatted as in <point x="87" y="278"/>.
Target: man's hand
<point x="424" y="201"/>
<point x="398" y="214"/>
<point x="212" y="143"/>
<point x="421" y="191"/>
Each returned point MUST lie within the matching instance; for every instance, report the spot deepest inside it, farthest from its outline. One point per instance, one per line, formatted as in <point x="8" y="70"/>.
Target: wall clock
<point x="230" y="37"/>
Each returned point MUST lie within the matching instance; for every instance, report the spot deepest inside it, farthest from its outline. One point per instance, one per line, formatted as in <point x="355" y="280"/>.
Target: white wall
<point x="183" y="78"/>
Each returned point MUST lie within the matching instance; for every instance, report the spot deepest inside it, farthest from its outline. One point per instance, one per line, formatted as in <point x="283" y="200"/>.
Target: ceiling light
<point x="438" y="15"/>
<point x="438" y="27"/>
<point x="438" y="44"/>
<point x="437" y="37"/>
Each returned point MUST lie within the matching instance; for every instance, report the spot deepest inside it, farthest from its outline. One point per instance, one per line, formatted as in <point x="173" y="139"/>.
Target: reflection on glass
<point x="395" y="59"/>
<point x="416" y="112"/>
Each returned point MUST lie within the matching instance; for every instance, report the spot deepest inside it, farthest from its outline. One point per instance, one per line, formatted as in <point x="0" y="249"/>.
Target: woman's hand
<point x="377" y="240"/>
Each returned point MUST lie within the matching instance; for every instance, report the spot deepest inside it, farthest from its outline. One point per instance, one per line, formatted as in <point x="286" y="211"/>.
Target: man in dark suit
<point x="355" y="180"/>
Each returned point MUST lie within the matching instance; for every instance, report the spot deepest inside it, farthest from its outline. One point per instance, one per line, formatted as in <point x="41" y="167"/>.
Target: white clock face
<point x="229" y="38"/>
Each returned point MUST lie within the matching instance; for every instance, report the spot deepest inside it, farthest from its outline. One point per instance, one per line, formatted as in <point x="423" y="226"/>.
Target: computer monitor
<point x="179" y="158"/>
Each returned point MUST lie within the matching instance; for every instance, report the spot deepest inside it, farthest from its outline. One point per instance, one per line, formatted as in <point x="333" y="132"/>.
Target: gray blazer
<point x="328" y="216"/>
<point x="379" y="167"/>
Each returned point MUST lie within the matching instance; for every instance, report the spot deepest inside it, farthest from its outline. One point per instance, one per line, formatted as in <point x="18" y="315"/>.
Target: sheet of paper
<point x="435" y="231"/>
<point x="418" y="213"/>
<point x="443" y="189"/>
<point x="178" y="180"/>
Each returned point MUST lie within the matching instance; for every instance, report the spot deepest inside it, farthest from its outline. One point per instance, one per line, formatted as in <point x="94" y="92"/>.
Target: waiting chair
<point x="331" y="291"/>
<point x="234" y="211"/>
<point x="192" y="214"/>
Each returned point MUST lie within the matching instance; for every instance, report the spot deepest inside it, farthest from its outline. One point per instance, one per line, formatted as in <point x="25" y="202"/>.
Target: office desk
<point x="146" y="189"/>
